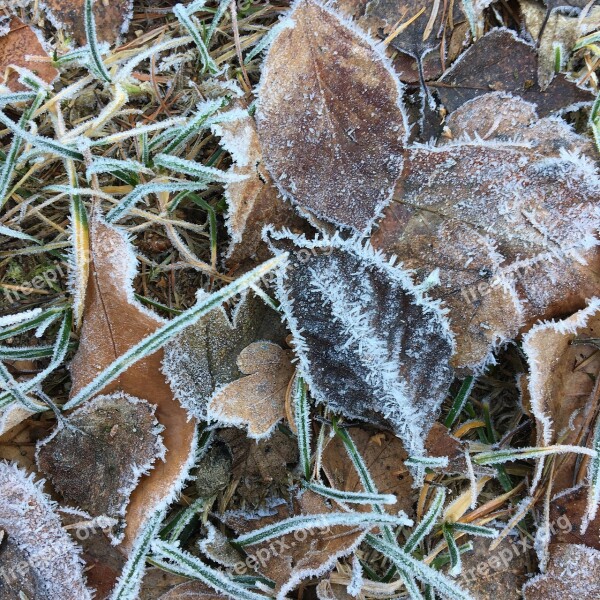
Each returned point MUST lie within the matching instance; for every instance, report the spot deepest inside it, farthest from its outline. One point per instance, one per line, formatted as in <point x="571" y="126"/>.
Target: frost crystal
<point x="371" y="346"/>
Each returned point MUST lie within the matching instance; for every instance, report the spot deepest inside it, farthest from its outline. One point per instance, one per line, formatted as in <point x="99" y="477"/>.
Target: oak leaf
<point x="113" y="322"/>
<point x="370" y="344"/>
<point x="257" y="400"/>
<point x="329" y="118"/>
<point x="97" y="460"/>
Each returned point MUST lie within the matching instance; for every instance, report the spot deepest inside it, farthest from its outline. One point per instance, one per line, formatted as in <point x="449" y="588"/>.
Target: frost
<point x="26" y="315"/>
<point x="116" y="440"/>
<point x="370" y="344"/>
<point x="28" y="518"/>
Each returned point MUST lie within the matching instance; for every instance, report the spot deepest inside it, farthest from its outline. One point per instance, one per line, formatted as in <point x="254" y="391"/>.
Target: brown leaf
<point x="15" y="46"/>
<point x="261" y="467"/>
<point x="114" y="322"/>
<point x="560" y="29"/>
<point x="158" y="582"/>
<point x="112" y="18"/>
<point x="97" y="460"/>
<point x="35" y="533"/>
<point x="254" y="201"/>
<point x="329" y="118"/>
<point x="496" y="575"/>
<point x="258" y="400"/>
<point x="384" y="456"/>
<point x="501" y="61"/>
<point x="203" y="357"/>
<point x="564" y="402"/>
<point x="572" y="574"/>
<point x="510" y="230"/>
<point x="292" y="558"/>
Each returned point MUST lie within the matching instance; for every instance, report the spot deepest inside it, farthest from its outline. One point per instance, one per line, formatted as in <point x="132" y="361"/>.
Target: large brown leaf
<point x="113" y="322"/>
<point x="329" y="118"/>
<point x="510" y="225"/>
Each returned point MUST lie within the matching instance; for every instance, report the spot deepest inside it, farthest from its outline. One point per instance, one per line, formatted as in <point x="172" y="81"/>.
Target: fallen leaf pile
<point x="329" y="320"/>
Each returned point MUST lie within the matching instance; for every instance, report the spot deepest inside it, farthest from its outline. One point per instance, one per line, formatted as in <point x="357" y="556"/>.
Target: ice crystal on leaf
<point x="371" y="346"/>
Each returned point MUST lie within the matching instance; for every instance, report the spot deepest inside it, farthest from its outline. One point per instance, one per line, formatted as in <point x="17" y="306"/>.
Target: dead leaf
<point x="260" y="468"/>
<point x="370" y="345"/>
<point x="257" y="400"/>
<point x="572" y="574"/>
<point x="157" y="583"/>
<point x="502" y="62"/>
<point x="292" y="558"/>
<point x="113" y="322"/>
<point x="559" y="29"/>
<point x="16" y="46"/>
<point x="253" y="202"/>
<point x="213" y="472"/>
<point x="511" y="230"/>
<point x="35" y="533"/>
<point x="191" y="590"/>
<point x="203" y="357"/>
<point x="384" y="456"/>
<point x="96" y="461"/>
<point x="564" y="402"/>
<point x="112" y="18"/>
<point x="496" y="575"/>
<point x="329" y="118"/>
<point x="17" y="579"/>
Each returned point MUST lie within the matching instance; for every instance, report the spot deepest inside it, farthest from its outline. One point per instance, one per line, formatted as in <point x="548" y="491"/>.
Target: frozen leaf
<point x="114" y="322"/>
<point x="157" y="583"/>
<point x="384" y="457"/>
<point x="498" y="574"/>
<point x="329" y="118"/>
<point x="112" y="18"/>
<point x="502" y="62"/>
<point x="563" y="401"/>
<point x="509" y="224"/>
<point x="97" y="460"/>
<point x="561" y="30"/>
<point x="254" y="201"/>
<point x="260" y="468"/>
<point x="257" y="400"/>
<point x="295" y="557"/>
<point x="16" y="46"/>
<point x="370" y="345"/>
<point x="214" y="470"/>
<point x="203" y="357"/>
<point x="417" y="27"/>
<point x="29" y="522"/>
<point x="572" y="574"/>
